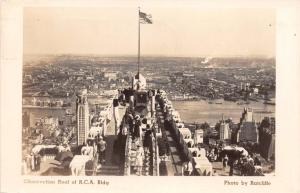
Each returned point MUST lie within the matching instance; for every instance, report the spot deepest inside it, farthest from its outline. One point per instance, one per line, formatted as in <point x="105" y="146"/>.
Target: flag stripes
<point x="145" y="18"/>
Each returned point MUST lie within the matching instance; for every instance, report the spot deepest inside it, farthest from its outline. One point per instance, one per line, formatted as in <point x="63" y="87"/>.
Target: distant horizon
<point x="176" y="31"/>
<point x="149" y="55"/>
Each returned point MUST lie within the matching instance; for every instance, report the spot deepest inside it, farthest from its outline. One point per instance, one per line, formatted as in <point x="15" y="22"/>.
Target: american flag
<point x="145" y="18"/>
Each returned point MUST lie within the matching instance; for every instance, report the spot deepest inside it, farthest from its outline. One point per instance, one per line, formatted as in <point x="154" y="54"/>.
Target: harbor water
<point x="211" y="112"/>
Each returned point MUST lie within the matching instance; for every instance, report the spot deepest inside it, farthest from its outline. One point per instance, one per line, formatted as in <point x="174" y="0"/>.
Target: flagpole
<point x="139" y="42"/>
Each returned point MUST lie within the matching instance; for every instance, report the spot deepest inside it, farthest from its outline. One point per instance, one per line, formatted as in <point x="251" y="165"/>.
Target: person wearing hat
<point x="101" y="146"/>
<point x="147" y="139"/>
<point x="137" y="117"/>
<point x="136" y="130"/>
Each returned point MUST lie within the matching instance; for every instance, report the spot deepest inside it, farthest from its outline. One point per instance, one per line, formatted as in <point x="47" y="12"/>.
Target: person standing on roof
<point x="148" y="139"/>
<point x="101" y="149"/>
<point x="225" y="161"/>
<point x="187" y="168"/>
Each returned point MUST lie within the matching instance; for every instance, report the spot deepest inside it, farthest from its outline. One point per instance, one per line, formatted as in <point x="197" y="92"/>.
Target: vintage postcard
<point x="110" y="94"/>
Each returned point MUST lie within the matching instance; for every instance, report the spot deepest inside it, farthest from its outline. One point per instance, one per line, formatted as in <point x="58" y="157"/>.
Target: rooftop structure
<point x="82" y="111"/>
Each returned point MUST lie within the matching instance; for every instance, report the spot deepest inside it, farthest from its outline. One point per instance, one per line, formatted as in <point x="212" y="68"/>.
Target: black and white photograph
<point x="148" y="91"/>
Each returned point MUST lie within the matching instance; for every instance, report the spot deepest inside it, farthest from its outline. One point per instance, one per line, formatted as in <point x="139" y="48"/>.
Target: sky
<point x="176" y="31"/>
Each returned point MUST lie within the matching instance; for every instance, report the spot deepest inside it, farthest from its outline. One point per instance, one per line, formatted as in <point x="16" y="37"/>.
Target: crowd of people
<point x="95" y="149"/>
<point x="213" y="153"/>
<point x="249" y="166"/>
<point x="244" y="163"/>
<point x="35" y="155"/>
<point x="141" y="138"/>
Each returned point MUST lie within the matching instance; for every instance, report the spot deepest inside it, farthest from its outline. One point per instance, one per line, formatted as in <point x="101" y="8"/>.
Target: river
<point x="190" y="111"/>
<point x="201" y="111"/>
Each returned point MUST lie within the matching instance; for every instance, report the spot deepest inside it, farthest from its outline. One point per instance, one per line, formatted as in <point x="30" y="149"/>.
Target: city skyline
<point x="85" y="115"/>
<point x="112" y="31"/>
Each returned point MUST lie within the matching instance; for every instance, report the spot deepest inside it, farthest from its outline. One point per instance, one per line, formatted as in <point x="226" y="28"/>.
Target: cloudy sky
<point x="176" y="31"/>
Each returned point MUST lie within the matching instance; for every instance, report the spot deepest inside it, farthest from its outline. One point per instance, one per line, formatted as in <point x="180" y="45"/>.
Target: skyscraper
<point x="224" y="131"/>
<point x="82" y="111"/>
<point x="248" y="127"/>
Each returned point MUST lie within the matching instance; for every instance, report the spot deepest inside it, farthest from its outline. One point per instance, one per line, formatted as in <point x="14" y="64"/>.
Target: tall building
<point x="267" y="137"/>
<point x="247" y="115"/>
<point x="248" y="130"/>
<point x="82" y="111"/>
<point x="224" y="131"/>
<point x="198" y="136"/>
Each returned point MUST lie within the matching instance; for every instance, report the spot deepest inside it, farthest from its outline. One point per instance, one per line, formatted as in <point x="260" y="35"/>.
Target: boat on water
<point x="269" y="103"/>
<point x="264" y="112"/>
<point x="243" y="103"/>
<point x="215" y="101"/>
